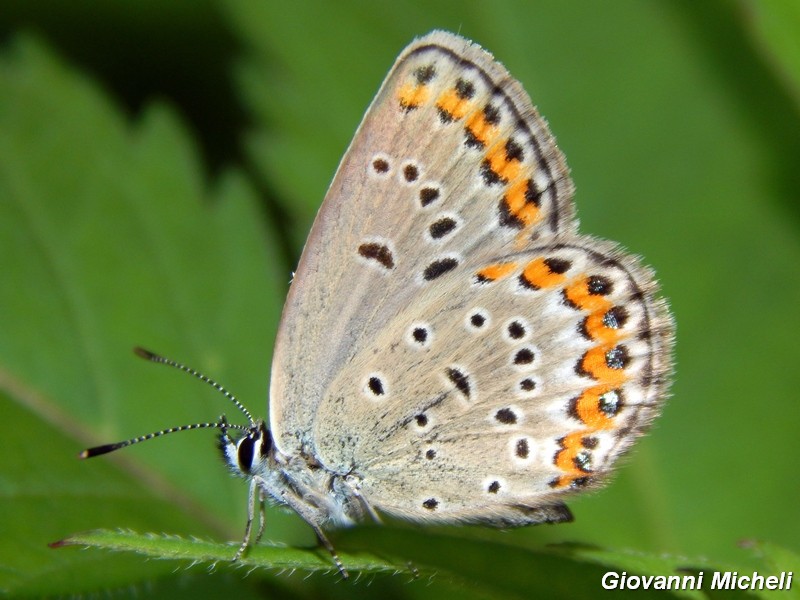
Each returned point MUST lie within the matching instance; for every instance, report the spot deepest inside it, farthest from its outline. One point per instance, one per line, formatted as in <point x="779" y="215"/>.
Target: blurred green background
<point x="161" y="163"/>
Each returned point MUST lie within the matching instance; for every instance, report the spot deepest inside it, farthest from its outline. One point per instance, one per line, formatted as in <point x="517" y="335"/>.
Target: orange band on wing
<point x="587" y="408"/>
<point x="578" y="294"/>
<point x="538" y="275"/>
<point x="412" y="96"/>
<point x="505" y="168"/>
<point x="597" y="330"/>
<point x="595" y="364"/>
<point x="496" y="271"/>
<point x="518" y="205"/>
<point x="481" y="129"/>
<point x="451" y="103"/>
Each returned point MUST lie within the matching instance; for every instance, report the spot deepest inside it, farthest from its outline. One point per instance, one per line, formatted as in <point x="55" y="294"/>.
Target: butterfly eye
<point x="245" y="452"/>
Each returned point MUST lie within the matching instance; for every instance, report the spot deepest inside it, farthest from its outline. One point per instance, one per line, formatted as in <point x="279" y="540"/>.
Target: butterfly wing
<point x="450" y="164"/>
<point x="450" y="342"/>
<point x="489" y="399"/>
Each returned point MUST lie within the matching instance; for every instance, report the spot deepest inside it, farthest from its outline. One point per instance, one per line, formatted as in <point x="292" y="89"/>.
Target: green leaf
<point x="452" y="560"/>
<point x="775" y="27"/>
<point x="110" y="237"/>
<point x="267" y="556"/>
<point x="777" y="560"/>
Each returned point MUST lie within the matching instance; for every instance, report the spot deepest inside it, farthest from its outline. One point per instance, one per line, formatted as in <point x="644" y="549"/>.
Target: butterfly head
<point x="248" y="453"/>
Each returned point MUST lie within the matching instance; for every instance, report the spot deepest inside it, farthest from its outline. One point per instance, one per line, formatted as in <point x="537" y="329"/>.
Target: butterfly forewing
<point x="447" y="165"/>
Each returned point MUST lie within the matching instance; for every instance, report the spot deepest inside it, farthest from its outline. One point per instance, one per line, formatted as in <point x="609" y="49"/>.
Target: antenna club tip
<point x="98" y="450"/>
<point x="146" y="354"/>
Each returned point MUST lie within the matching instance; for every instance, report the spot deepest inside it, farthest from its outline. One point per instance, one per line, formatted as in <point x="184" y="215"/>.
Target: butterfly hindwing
<point x="451" y="166"/>
<point x="490" y="395"/>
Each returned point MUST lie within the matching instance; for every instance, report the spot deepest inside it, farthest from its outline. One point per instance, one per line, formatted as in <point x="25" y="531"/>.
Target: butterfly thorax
<point x="317" y="494"/>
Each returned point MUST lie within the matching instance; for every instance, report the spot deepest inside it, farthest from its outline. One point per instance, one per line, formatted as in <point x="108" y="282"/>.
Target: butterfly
<point x="452" y="349"/>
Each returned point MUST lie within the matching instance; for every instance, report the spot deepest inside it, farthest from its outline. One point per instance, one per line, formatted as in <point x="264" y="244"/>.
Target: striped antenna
<point x="153" y="357"/>
<point x="106" y="448"/>
<point x="221" y="424"/>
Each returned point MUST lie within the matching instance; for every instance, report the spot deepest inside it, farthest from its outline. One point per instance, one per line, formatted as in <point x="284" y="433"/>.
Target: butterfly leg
<point x="251" y="508"/>
<point x="370" y="511"/>
<point x="262" y="515"/>
<point x="324" y="541"/>
<point x="293" y="498"/>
